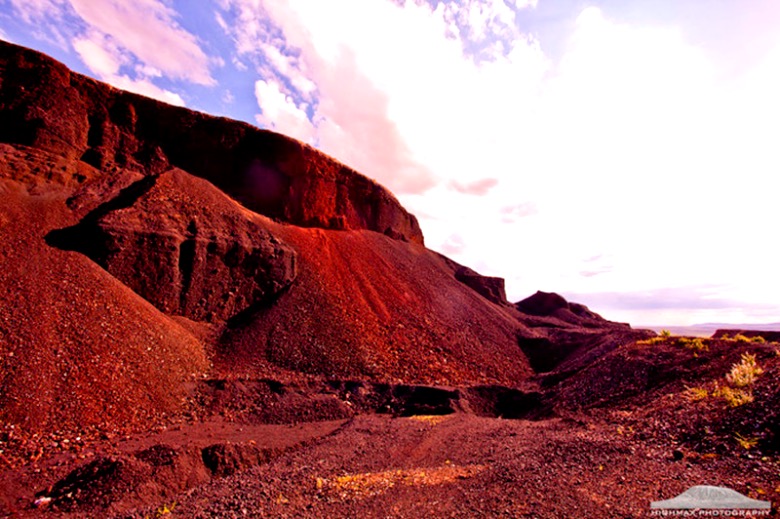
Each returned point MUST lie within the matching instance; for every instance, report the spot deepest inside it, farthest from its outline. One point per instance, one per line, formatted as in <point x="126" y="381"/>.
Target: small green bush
<point x="746" y="442"/>
<point x="745" y="372"/>
<point x="696" y="344"/>
<point x="734" y="397"/>
<point x="652" y="340"/>
<point x="696" y="394"/>
<point x="741" y="378"/>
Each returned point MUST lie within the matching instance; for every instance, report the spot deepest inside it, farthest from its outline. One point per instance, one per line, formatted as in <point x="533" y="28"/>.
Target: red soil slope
<point x="77" y="347"/>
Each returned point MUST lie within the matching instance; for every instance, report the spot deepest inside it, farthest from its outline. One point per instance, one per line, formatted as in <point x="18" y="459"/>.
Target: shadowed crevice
<point x="78" y="237"/>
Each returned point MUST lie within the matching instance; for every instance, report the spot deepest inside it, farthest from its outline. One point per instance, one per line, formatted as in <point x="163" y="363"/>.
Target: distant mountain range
<point x="707" y="329"/>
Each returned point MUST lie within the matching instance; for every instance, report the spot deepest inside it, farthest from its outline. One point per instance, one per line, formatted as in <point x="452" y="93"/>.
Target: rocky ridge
<point x="48" y="107"/>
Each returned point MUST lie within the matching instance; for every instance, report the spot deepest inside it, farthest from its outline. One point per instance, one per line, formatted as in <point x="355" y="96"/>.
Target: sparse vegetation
<point x="744" y="339"/>
<point x="696" y="394"/>
<point x="746" y="442"/>
<point x="376" y="483"/>
<point x="431" y="419"/>
<point x="741" y="378"/>
<point x="745" y="373"/>
<point x="652" y="341"/>
<point x="734" y="397"/>
<point x="696" y="344"/>
<point x="164" y="510"/>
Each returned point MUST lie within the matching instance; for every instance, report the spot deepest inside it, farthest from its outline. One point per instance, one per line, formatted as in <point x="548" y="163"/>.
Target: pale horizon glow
<point x="620" y="153"/>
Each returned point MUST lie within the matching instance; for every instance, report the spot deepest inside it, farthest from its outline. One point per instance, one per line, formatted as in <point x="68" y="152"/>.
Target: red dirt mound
<point x="117" y="482"/>
<point x="87" y="168"/>
<point x="77" y="347"/>
<point x="568" y="336"/>
<point x="366" y="306"/>
<point x="550" y="304"/>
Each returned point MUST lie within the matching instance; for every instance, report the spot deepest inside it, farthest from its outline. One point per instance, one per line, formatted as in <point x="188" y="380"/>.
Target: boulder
<point x="491" y="288"/>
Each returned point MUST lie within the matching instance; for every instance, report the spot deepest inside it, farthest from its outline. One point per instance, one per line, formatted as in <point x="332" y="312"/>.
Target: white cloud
<point x="105" y="59"/>
<point x="280" y="113"/>
<point x="99" y="55"/>
<point x="630" y="147"/>
<point x="33" y="10"/>
<point x="484" y="28"/>
<point x="143" y="36"/>
<point x="148" y="29"/>
<point x="453" y="245"/>
<point x="240" y="65"/>
<point x="124" y="44"/>
<point x="478" y="187"/>
<point x="147" y="71"/>
<point x="146" y="88"/>
<point x="44" y="18"/>
<point x="348" y="112"/>
<point x="290" y="68"/>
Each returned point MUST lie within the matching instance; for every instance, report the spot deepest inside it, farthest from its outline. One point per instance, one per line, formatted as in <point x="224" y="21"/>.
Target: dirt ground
<point x="456" y="465"/>
<point x="465" y="466"/>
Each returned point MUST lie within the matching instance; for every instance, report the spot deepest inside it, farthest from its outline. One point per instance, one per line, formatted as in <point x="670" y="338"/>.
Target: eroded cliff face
<point x="46" y="106"/>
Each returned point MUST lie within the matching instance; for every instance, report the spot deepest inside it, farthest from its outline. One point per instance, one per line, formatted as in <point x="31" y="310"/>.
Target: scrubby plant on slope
<point x="741" y="378"/>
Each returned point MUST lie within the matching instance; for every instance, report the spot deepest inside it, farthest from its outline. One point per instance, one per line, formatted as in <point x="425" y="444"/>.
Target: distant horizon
<point x="762" y="327"/>
<point x="620" y="154"/>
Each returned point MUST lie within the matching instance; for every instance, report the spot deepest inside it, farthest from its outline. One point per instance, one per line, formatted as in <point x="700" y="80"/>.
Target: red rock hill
<point x="144" y="247"/>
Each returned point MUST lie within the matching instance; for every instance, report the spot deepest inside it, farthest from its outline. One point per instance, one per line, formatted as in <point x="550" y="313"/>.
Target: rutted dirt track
<point x="411" y="451"/>
<point x="454" y="465"/>
<point x="460" y="465"/>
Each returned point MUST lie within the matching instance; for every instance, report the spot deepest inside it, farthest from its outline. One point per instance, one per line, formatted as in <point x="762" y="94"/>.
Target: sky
<point x="623" y="153"/>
